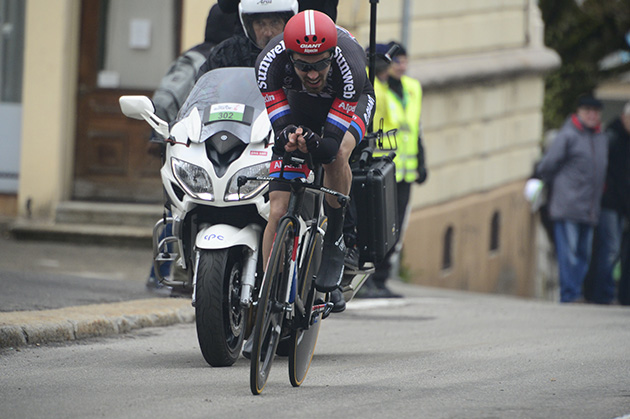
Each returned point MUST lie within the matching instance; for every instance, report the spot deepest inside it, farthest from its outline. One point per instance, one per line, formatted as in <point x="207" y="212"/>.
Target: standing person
<point x="575" y="166"/>
<point x="319" y="101"/>
<point x="615" y="208"/>
<point x="399" y="103"/>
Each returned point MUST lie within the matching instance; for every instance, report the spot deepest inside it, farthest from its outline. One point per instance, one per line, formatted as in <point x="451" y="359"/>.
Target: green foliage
<point x="582" y="36"/>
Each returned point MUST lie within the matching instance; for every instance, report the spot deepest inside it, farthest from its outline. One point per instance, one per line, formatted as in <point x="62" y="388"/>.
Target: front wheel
<point x="270" y="310"/>
<point x="219" y="317"/>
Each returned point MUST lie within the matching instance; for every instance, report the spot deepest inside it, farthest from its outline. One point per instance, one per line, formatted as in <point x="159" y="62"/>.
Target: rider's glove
<point x="282" y="139"/>
<point x="422" y="168"/>
<point x="422" y="175"/>
<point x="312" y="139"/>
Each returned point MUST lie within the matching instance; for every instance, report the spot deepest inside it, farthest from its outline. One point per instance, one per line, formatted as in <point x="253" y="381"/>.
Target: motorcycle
<point x="222" y="132"/>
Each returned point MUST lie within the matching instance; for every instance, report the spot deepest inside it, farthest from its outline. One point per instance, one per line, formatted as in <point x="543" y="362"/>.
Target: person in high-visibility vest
<point x="399" y="104"/>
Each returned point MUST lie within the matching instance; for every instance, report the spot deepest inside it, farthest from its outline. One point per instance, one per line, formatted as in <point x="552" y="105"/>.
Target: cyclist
<point x="319" y="101"/>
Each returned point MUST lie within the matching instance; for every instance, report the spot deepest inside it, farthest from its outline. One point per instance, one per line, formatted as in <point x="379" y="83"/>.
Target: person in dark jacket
<point x="172" y="92"/>
<point x="615" y="210"/>
<point x="575" y="167"/>
<point x="180" y="78"/>
<point x="260" y="22"/>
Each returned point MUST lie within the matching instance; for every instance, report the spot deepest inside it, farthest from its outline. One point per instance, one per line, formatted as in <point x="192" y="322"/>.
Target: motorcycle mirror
<point x="179" y="132"/>
<point x="141" y="107"/>
<point x="193" y="125"/>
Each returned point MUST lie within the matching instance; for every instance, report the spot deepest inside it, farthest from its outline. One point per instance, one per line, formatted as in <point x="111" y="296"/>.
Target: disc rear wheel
<point x="303" y="340"/>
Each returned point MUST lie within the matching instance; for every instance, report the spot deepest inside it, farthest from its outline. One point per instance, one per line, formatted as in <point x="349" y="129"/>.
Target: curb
<point x="22" y="328"/>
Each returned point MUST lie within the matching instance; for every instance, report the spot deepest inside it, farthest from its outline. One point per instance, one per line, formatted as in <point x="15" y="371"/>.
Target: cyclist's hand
<point x="310" y="140"/>
<point x="283" y="139"/>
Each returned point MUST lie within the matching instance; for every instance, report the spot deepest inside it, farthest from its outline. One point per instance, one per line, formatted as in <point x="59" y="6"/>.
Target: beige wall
<point x="48" y="118"/>
<point x="480" y="137"/>
<point x="194" y="17"/>
<point x="481" y="64"/>
<point x="442" y="27"/>
<point x="507" y="270"/>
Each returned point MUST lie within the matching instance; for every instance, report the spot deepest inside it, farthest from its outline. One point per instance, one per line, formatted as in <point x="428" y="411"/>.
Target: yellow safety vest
<point x="404" y="115"/>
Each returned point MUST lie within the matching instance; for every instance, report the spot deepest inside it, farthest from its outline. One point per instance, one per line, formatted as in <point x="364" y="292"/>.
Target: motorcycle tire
<point x="219" y="317"/>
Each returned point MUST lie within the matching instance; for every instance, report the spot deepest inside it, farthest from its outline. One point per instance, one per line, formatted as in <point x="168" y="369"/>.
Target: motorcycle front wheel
<point x="219" y="317"/>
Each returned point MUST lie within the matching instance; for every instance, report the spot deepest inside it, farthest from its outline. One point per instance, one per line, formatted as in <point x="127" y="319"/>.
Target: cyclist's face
<point x="313" y="80"/>
<point x="266" y="28"/>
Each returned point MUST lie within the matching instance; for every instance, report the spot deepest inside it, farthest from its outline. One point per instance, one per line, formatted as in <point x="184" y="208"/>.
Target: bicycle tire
<point x="302" y="341"/>
<point x="270" y="308"/>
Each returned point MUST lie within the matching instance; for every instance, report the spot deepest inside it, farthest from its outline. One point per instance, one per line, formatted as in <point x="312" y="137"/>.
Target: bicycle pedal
<point x="327" y="310"/>
<point x="324" y="309"/>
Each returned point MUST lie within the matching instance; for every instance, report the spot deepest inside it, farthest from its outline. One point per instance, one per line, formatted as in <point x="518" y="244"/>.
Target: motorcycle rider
<point x="320" y="101"/>
<point x="170" y="96"/>
<point x="261" y="22"/>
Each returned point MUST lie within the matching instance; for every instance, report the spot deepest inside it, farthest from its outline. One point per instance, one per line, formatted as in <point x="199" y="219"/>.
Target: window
<point x="495" y="230"/>
<point x="447" y="252"/>
<point x="12" y="16"/>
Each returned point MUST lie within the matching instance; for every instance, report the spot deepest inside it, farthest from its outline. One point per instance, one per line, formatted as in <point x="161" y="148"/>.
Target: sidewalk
<point x="59" y="291"/>
<point x="20" y="328"/>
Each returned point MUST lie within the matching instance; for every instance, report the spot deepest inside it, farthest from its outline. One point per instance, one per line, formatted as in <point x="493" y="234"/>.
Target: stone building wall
<point x="481" y="64"/>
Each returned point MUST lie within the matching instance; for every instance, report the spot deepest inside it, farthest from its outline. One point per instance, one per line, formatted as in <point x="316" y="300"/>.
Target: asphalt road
<point x="433" y="354"/>
<point x="50" y="275"/>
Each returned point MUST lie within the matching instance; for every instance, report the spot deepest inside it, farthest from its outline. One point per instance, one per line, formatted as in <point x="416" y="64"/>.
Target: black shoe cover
<point x="339" y="302"/>
<point x="331" y="268"/>
<point x="351" y="261"/>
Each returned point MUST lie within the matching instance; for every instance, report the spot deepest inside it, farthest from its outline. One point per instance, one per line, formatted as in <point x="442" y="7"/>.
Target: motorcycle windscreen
<point x="228" y="99"/>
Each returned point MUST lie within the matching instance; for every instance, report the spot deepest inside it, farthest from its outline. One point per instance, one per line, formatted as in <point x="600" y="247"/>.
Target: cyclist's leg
<point x="278" y="204"/>
<point x="338" y="176"/>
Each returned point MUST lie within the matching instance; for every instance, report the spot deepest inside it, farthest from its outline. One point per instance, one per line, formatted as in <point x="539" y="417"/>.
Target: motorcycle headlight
<point x="251" y="188"/>
<point x="194" y="179"/>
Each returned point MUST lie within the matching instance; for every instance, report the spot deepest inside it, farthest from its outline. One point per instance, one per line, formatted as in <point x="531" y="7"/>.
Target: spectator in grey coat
<point x="575" y="168"/>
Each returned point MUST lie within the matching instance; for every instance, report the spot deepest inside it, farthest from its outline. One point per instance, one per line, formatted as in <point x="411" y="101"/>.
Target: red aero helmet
<point x="310" y="32"/>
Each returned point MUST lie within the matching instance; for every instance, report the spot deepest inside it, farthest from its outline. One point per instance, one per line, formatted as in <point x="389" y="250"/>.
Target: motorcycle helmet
<point x="310" y="33"/>
<point x="249" y="10"/>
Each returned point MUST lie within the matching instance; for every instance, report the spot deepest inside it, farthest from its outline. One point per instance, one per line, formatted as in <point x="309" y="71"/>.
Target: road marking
<point x="48" y="263"/>
<point x="369" y="303"/>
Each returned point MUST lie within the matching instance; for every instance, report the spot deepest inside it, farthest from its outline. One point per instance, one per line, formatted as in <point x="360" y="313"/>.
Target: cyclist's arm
<point x="350" y="83"/>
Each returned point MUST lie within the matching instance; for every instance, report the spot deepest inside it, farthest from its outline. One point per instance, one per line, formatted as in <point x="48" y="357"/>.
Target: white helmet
<point x="248" y="9"/>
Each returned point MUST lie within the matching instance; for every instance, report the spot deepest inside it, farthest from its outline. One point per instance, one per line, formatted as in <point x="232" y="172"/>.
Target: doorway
<point x="126" y="47"/>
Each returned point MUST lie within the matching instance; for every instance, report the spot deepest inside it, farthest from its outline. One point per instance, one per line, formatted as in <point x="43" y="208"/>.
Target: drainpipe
<point x="406" y="19"/>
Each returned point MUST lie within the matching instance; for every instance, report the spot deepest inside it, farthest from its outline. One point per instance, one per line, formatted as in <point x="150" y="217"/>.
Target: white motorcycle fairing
<point x="223" y="236"/>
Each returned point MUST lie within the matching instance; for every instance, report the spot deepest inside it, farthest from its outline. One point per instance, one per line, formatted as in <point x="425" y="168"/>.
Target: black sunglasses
<point x="306" y="67"/>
